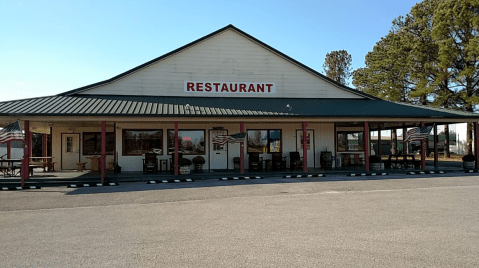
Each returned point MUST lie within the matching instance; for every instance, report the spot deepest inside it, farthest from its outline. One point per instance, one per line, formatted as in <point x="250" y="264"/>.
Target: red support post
<point x="305" y="147"/>
<point x="242" y="150"/>
<point x="476" y="142"/>
<point x="423" y="151"/>
<point x="103" y="151"/>
<point x="44" y="145"/>
<point x="176" y="148"/>
<point x="26" y="153"/>
<point x="366" y="145"/>
<point x="436" y="157"/>
<point x="9" y="150"/>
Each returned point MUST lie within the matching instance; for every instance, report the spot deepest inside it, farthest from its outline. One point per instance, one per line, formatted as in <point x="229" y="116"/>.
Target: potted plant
<point x="199" y="161"/>
<point x="326" y="158"/>
<point x="236" y="161"/>
<point x="468" y="161"/>
<point x="375" y="162"/>
<point x="184" y="163"/>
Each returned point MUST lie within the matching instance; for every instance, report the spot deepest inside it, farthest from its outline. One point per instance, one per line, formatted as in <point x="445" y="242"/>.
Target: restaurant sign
<point x="229" y="87"/>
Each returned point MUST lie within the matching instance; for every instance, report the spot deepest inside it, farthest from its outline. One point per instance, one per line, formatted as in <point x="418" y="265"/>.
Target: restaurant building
<point x="223" y="83"/>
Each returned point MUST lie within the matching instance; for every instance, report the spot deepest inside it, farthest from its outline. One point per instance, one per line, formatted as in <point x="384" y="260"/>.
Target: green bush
<point x="374" y="159"/>
<point x="184" y="162"/>
<point x="199" y="160"/>
<point x="468" y="157"/>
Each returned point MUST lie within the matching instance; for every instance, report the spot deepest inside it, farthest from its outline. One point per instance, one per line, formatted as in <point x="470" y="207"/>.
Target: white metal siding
<point x="227" y="57"/>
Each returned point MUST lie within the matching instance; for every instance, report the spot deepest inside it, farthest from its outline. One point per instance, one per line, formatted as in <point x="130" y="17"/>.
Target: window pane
<point x="257" y="141"/>
<point x="136" y="142"/>
<point x="69" y="145"/>
<point x="189" y="141"/>
<point x="92" y="143"/>
<point x="341" y="142"/>
<point x="275" y="141"/>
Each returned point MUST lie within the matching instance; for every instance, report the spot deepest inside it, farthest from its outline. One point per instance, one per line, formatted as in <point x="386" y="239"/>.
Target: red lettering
<point x="216" y="86"/>
<point x="260" y="87"/>
<point x="269" y="87"/>
<point x="208" y="87"/>
<point x="224" y="88"/>
<point x="251" y="88"/>
<point x="190" y="86"/>
<point x="199" y="87"/>
<point x="242" y="88"/>
<point x="235" y="89"/>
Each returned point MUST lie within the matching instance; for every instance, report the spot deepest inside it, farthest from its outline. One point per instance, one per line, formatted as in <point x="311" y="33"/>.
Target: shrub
<point x="468" y="157"/>
<point x="184" y="162"/>
<point x="374" y="159"/>
<point x="236" y="160"/>
<point x="199" y="160"/>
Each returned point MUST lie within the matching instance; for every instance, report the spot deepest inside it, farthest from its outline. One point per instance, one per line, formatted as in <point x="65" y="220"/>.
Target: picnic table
<point x="402" y="161"/>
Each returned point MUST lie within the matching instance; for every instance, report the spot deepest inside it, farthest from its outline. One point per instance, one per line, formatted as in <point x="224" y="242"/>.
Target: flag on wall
<point x="11" y="132"/>
<point x="417" y="133"/>
<point x="233" y="138"/>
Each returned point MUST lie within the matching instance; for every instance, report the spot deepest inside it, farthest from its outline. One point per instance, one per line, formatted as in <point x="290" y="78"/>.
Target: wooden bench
<point x="35" y="165"/>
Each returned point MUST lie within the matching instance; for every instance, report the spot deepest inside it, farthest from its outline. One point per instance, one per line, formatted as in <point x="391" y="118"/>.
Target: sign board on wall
<point x="229" y="87"/>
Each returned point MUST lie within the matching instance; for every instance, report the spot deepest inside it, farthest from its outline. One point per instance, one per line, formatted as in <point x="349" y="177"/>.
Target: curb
<point x="240" y="178"/>
<point x="425" y="172"/>
<point x="92" y="185"/>
<point x="170" y="181"/>
<point x="19" y="188"/>
<point x="304" y="176"/>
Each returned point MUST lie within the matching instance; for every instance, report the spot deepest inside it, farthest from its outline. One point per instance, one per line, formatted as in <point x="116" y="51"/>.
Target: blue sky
<point x="48" y="47"/>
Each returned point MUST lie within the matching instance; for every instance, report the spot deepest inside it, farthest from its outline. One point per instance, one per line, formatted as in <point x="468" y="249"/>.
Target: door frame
<point x="314" y="144"/>
<point x="209" y="148"/>
<point x="61" y="147"/>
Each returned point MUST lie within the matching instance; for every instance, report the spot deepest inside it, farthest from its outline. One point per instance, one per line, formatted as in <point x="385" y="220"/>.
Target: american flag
<point x="11" y="132"/>
<point x="233" y="138"/>
<point x="417" y="134"/>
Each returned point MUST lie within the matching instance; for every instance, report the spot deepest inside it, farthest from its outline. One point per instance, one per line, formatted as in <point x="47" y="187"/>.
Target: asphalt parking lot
<point x="394" y="221"/>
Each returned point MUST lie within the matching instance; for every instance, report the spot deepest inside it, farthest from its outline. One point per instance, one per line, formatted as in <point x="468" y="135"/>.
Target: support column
<point x="379" y="141"/>
<point x="242" y="150"/>
<point x="423" y="151"/>
<point x="367" y="144"/>
<point x="44" y="145"/>
<point x="176" y="148"/>
<point x="103" y="151"/>
<point x="436" y="157"/>
<point x="9" y="150"/>
<point x="404" y="144"/>
<point x="26" y="154"/>
<point x="305" y="147"/>
<point x="476" y="142"/>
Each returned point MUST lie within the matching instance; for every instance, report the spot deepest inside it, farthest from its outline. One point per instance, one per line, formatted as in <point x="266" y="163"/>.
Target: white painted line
<point x="309" y="176"/>
<point x="188" y="180"/>
<point x="164" y="181"/>
<point x="247" y="178"/>
<point x="373" y="174"/>
<point x="152" y="182"/>
<point x="86" y="185"/>
<point x="288" y="176"/>
<point x="258" y="177"/>
<point x="99" y="184"/>
<point x="363" y="174"/>
<point x="298" y="176"/>
<point x="441" y="172"/>
<point x="111" y="184"/>
<point x="235" y="178"/>
<point x="177" y="180"/>
<point x="73" y="186"/>
<point x="384" y="174"/>
<point x="422" y="172"/>
<point x="4" y="188"/>
<point x="18" y="188"/>
<point x="224" y="179"/>
<point x="352" y="175"/>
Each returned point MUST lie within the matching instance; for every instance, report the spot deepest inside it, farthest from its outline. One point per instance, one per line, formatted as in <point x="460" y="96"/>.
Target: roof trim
<point x="230" y="26"/>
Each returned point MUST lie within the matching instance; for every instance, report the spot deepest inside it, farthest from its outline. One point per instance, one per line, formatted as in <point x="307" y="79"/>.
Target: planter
<point x="326" y="159"/>
<point x="184" y="170"/>
<point x="198" y="167"/>
<point x="375" y="166"/>
<point x="468" y="164"/>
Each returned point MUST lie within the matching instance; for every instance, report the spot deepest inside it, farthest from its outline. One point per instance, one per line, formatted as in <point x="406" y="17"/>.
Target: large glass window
<point x="92" y="143"/>
<point x="189" y="141"/>
<point x="264" y="141"/>
<point x="138" y="142"/>
<point x="350" y="141"/>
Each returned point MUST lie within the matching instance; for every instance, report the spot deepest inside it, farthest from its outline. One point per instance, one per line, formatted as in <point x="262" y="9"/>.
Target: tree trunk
<point x="447" y="153"/>
<point x="394" y="141"/>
